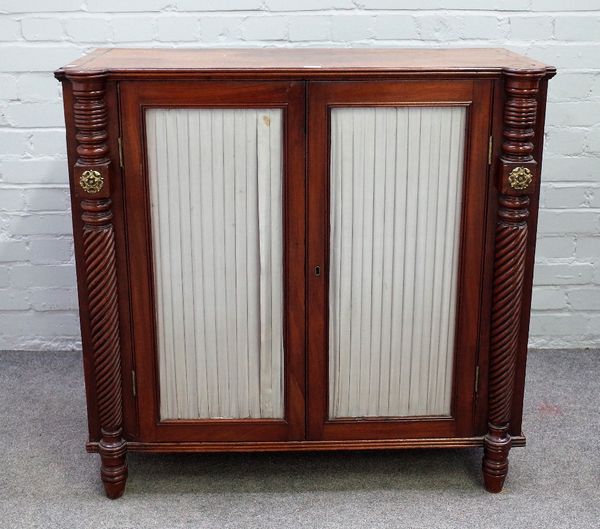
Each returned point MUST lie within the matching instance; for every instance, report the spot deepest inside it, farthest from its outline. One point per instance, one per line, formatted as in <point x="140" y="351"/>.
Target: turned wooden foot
<point x="495" y="458"/>
<point x="114" y="490"/>
<point x="113" y="469"/>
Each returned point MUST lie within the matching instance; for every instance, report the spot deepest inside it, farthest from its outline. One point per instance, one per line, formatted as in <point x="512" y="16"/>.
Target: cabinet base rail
<point x="308" y="446"/>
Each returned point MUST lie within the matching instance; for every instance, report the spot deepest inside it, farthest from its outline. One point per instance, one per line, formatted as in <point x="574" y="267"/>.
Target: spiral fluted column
<point x="516" y="172"/>
<point x="92" y="184"/>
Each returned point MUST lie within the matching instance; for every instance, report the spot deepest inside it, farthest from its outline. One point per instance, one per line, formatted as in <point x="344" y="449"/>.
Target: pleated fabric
<point x="396" y="186"/>
<point x="216" y="212"/>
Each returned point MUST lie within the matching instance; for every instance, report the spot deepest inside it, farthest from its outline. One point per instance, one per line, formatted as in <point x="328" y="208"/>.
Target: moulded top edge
<point x="300" y="61"/>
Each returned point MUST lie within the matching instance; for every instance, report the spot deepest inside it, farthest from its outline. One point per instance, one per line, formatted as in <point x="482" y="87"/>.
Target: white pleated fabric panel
<point x="216" y="204"/>
<point x="396" y="186"/>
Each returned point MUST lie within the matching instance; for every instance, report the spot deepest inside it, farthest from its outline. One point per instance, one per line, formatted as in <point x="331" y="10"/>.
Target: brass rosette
<point x="520" y="178"/>
<point x="91" y="181"/>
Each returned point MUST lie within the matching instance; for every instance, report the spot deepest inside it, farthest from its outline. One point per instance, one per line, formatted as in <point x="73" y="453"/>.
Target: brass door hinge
<point x="477" y="379"/>
<point x="120" y="151"/>
<point x="490" y="149"/>
<point x="133" y="383"/>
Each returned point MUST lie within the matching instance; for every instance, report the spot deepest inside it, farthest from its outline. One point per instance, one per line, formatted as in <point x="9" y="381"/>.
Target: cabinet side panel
<point x="519" y="390"/>
<point x="88" y="361"/>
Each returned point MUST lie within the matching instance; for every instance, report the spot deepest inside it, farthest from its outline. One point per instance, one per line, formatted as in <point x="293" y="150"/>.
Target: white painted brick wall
<point x="37" y="277"/>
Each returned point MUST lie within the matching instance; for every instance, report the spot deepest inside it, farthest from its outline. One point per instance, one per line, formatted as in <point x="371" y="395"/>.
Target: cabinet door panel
<point x="396" y="178"/>
<point x="216" y="246"/>
<point x="215" y="180"/>
<point x="395" y="190"/>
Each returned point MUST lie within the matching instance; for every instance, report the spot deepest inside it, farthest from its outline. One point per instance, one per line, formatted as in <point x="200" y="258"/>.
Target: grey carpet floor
<point x="48" y="481"/>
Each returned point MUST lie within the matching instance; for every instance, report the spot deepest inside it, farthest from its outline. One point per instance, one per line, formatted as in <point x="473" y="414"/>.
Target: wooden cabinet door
<point x="398" y="183"/>
<point x="214" y="187"/>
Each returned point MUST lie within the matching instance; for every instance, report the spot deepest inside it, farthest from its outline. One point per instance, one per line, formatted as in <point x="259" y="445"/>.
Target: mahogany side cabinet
<point x="304" y="249"/>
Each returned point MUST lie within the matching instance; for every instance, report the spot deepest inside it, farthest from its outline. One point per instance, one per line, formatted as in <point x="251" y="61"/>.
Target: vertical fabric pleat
<point x="216" y="204"/>
<point x="396" y="185"/>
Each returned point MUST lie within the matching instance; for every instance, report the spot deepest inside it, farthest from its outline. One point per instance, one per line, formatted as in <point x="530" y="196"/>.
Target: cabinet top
<point x="298" y="62"/>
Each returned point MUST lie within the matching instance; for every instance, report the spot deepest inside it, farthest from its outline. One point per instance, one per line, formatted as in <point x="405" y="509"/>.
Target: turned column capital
<point x="517" y="171"/>
<point x="92" y="170"/>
